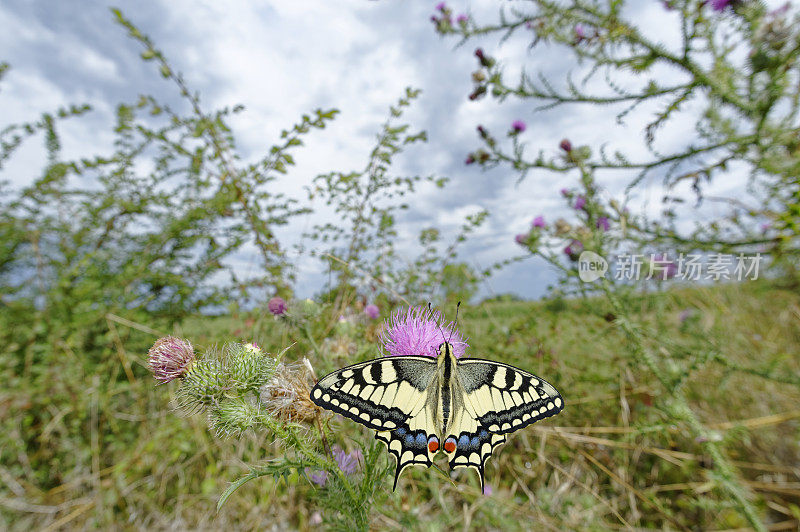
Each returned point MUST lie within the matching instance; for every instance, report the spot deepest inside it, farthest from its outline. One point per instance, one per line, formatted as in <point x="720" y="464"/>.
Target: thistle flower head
<point x="170" y="358"/>
<point x="420" y="331"/>
<point x="521" y="239"/>
<point x="603" y="224"/>
<point x="580" y="203"/>
<point x="518" y="126"/>
<point x="232" y="416"/>
<point x="372" y="311"/>
<point x="462" y="19"/>
<point x="277" y="306"/>
<point x="565" y="145"/>
<point x="539" y="222"/>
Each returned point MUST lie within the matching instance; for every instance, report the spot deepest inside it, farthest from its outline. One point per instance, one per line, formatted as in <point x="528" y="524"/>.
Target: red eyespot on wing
<point x="450" y="445"/>
<point x="433" y="444"/>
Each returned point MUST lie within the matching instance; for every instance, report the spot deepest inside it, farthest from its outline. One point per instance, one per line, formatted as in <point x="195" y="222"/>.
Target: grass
<point x="116" y="454"/>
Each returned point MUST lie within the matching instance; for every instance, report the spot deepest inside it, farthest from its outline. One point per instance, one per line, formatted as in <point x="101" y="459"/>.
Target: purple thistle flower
<point x="420" y="331"/>
<point x="169" y="358"/>
<point x="277" y="306"/>
<point x="539" y="222"/>
<point x="564" y="192"/>
<point x="573" y="249"/>
<point x="603" y="223"/>
<point x="580" y="203"/>
<point x="350" y="462"/>
<point x="372" y="311"/>
<point x="441" y="6"/>
<point x="462" y="19"/>
<point x="565" y="145"/>
<point x="518" y="126"/>
<point x="520" y="239"/>
<point x="580" y="33"/>
<point x="720" y="5"/>
<point x="470" y="159"/>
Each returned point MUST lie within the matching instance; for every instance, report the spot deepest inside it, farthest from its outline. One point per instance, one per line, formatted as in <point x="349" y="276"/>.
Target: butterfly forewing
<point x="380" y="394"/>
<point x="503" y="398"/>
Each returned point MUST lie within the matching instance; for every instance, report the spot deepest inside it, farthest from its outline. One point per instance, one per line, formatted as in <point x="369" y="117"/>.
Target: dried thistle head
<point x="287" y="396"/>
<point x="170" y="358"/>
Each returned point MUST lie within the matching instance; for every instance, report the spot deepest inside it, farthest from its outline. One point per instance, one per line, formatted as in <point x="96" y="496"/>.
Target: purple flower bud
<point x="277" y="306"/>
<point x="539" y="222"/>
<point x="574" y="249"/>
<point x="580" y="33"/>
<point x="441" y="6"/>
<point x="720" y="5"/>
<point x="170" y="358"/>
<point x="372" y="311"/>
<point x="479" y="54"/>
<point x="603" y="223"/>
<point x="470" y="159"/>
<point x="518" y="126"/>
<point x="565" y="192"/>
<point x="434" y="19"/>
<point x="462" y="19"/>
<point x="580" y="203"/>
<point x="566" y="145"/>
<point x="521" y="239"/>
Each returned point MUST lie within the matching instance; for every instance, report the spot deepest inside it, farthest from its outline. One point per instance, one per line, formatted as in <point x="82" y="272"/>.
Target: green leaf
<point x="235" y="485"/>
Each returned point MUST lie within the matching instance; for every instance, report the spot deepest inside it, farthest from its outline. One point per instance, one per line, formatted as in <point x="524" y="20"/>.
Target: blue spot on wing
<point x="463" y="441"/>
<point x="422" y="440"/>
<point x="409" y="439"/>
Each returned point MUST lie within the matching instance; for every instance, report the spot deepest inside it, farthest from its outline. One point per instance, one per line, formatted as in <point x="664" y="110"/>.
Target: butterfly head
<point x="445" y="351"/>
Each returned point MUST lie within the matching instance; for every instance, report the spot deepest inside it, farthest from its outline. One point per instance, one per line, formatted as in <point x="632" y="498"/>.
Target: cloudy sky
<point x="281" y="59"/>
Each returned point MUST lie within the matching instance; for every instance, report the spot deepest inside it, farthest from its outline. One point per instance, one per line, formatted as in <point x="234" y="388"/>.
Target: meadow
<point x="81" y="453"/>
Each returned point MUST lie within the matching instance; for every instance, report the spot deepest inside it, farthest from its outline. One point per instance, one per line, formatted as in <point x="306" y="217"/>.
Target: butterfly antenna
<point x="455" y="323"/>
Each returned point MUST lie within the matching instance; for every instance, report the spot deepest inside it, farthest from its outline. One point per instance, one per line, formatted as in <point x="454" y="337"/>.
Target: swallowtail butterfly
<point x="420" y="405"/>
